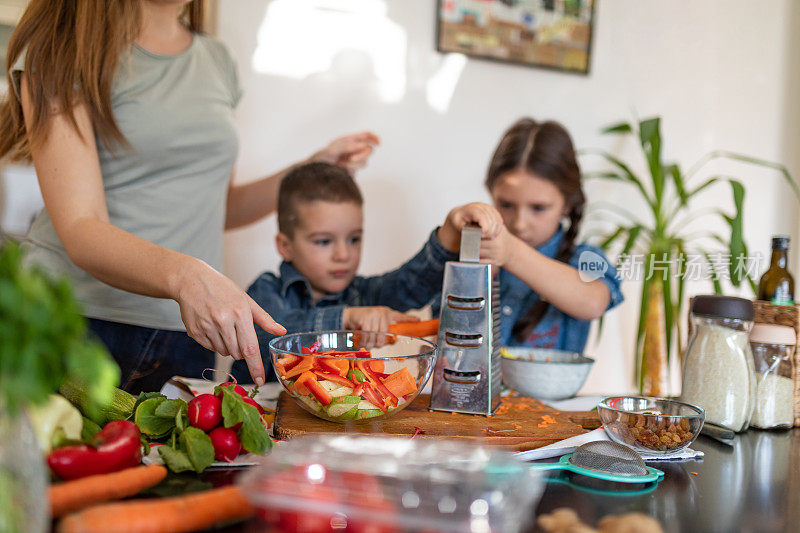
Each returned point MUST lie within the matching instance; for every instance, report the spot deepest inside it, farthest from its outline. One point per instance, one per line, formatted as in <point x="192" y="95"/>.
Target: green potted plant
<point x="661" y="239"/>
<point x="43" y="340"/>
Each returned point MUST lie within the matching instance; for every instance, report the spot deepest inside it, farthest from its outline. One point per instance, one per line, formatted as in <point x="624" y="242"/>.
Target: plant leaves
<point x="145" y="396"/>
<point x="737" y="247"/>
<point x="714" y="274"/>
<point x="198" y="448"/>
<point x="638" y="348"/>
<point x="232" y="407"/>
<point x="622" y="127"/>
<point x="627" y="175"/>
<point x="150" y="424"/>
<point x="176" y="460"/>
<point x="170" y="408"/>
<point x="674" y="172"/>
<point x="723" y="154"/>
<point x="253" y="435"/>
<point x="650" y="138"/>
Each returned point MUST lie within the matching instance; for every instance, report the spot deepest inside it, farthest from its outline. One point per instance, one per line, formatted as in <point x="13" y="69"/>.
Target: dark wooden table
<point x="753" y="486"/>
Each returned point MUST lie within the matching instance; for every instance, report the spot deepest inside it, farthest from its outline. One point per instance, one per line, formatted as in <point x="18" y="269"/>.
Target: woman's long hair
<point x="544" y="149"/>
<point x="72" y="50"/>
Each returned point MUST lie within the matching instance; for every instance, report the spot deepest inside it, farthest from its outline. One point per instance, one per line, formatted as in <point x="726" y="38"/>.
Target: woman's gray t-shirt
<point x="170" y="189"/>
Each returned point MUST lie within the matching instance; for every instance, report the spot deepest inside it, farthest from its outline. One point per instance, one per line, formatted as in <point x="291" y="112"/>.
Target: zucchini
<point x="120" y="407"/>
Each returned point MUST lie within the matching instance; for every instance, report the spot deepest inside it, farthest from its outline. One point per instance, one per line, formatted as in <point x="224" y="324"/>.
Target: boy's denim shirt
<point x="556" y="330"/>
<point x="287" y="298"/>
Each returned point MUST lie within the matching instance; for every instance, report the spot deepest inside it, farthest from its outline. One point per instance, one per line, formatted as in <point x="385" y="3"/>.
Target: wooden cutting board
<point x="519" y="423"/>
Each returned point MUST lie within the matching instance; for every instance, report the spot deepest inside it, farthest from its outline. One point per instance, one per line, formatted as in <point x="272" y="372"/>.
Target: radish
<point x="254" y="404"/>
<point x="238" y="389"/>
<point x="205" y="412"/>
<point x="226" y="444"/>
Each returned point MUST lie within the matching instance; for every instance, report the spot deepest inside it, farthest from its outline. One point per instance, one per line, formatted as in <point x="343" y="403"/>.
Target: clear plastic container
<point x="357" y="483"/>
<point x="718" y="369"/>
<point x="773" y="348"/>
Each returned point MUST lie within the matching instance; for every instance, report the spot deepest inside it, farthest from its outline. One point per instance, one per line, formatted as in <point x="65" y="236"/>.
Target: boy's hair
<point x="309" y="183"/>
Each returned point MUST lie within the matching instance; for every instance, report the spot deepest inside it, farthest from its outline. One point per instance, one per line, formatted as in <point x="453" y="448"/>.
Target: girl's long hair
<point x="72" y="50"/>
<point x="544" y="149"/>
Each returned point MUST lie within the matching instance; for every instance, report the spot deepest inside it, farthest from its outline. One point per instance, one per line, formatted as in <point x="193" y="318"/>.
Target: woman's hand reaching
<point x="350" y="151"/>
<point x="220" y="316"/>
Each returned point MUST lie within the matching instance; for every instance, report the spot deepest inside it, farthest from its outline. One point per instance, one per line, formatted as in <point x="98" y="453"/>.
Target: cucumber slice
<point x="347" y="399"/>
<point x="342" y="391"/>
<point x="342" y="410"/>
<point x="361" y="414"/>
<point x="364" y="405"/>
<point x="312" y="402"/>
<point x="329" y="385"/>
<point x="357" y="374"/>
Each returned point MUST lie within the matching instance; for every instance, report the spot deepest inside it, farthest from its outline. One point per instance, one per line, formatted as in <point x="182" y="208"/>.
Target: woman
<point x="550" y="287"/>
<point x="126" y="110"/>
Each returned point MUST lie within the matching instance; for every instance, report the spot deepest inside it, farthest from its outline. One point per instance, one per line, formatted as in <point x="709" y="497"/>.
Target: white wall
<point x="722" y="74"/>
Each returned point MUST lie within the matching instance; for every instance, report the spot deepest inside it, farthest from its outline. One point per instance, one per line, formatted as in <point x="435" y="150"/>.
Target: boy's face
<point x="326" y="245"/>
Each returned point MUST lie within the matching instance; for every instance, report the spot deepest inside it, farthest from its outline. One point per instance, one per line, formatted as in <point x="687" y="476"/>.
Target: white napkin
<point x="569" y="445"/>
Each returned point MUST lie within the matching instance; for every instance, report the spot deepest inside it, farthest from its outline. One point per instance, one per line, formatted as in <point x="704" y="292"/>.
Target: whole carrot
<point x="422" y="328"/>
<point x="167" y="515"/>
<point x="73" y="495"/>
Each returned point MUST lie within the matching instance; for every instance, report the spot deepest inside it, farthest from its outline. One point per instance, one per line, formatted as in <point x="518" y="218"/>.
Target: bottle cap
<point x="773" y="334"/>
<point x="717" y="306"/>
<point x="780" y="242"/>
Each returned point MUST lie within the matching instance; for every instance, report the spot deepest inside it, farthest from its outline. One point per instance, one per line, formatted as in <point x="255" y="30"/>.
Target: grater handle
<point x="470" y="244"/>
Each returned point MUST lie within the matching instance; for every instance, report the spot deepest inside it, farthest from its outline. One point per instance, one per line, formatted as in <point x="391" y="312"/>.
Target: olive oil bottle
<point x="777" y="285"/>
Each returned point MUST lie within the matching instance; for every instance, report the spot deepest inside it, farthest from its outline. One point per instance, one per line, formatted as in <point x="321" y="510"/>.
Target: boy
<point x="320" y="225"/>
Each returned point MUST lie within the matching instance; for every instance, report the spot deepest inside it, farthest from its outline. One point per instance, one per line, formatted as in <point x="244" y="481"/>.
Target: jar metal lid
<point x="714" y="305"/>
<point x="773" y="334"/>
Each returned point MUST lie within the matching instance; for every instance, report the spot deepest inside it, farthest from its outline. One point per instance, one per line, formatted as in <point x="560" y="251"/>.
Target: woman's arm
<point x="250" y="202"/>
<point x="554" y="281"/>
<point x="217" y="313"/>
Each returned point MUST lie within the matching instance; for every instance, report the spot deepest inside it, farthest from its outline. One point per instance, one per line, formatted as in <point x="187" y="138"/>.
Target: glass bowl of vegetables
<point x="352" y="376"/>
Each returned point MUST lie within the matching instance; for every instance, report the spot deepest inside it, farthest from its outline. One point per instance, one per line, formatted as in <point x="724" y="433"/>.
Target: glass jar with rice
<point x="773" y="347"/>
<point x="718" y="370"/>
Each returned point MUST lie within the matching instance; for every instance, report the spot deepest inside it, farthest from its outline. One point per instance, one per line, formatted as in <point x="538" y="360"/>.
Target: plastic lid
<point x="381" y="483"/>
<point x="714" y="305"/>
<point x="772" y="334"/>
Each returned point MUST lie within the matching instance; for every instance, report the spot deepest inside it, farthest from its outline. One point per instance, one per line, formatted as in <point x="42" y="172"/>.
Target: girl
<point x="126" y="110"/>
<point x="550" y="288"/>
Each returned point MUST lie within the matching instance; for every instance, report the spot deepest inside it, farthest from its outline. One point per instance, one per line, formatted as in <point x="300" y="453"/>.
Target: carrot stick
<point x="166" y="515"/>
<point x="401" y="383"/>
<point x="423" y="328"/>
<point x="73" y="495"/>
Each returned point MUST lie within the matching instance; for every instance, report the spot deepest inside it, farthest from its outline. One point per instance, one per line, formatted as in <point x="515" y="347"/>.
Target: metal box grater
<point x="467" y="375"/>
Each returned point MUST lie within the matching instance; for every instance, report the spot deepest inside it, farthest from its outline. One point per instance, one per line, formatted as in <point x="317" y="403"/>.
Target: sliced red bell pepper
<point x="358" y="390"/>
<point x="318" y="391"/>
<point x="314" y="348"/>
<point x="287" y="362"/>
<point x="115" y="447"/>
<point x="336" y="378"/>
<point x="376" y="382"/>
<point x="372" y="396"/>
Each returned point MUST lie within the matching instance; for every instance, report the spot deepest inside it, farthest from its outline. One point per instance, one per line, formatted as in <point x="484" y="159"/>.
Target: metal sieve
<point x="606" y="460"/>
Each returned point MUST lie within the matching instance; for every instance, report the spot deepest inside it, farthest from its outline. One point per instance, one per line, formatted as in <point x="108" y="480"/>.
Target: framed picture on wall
<point x="553" y="34"/>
